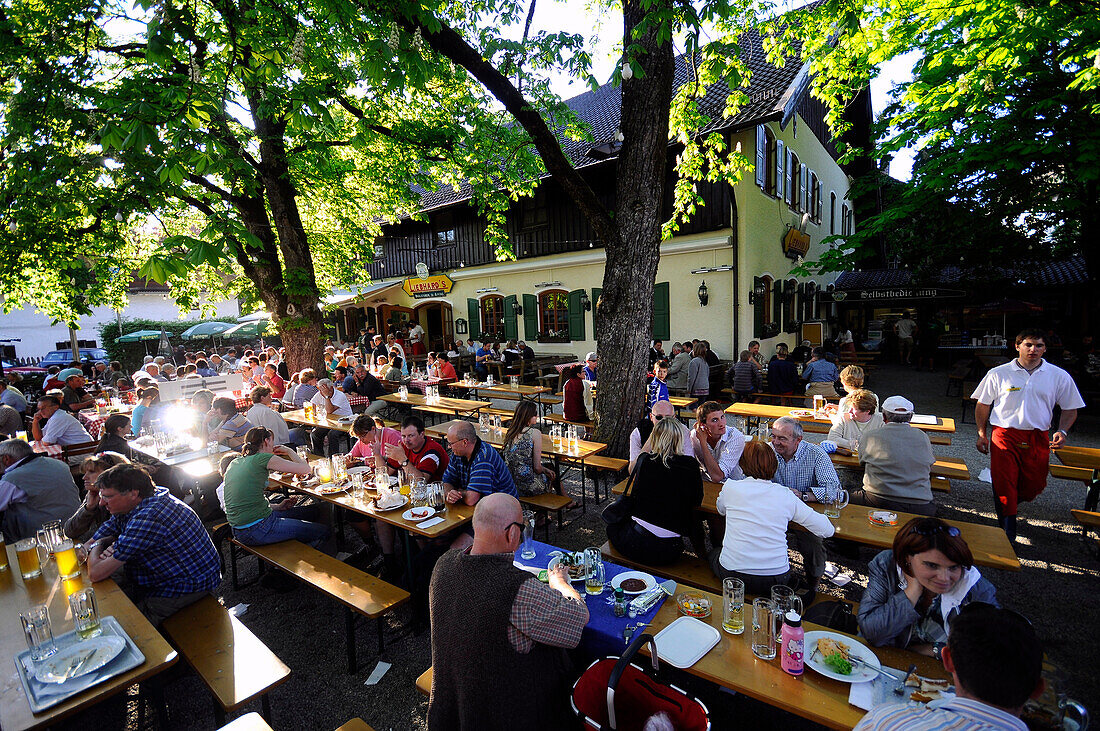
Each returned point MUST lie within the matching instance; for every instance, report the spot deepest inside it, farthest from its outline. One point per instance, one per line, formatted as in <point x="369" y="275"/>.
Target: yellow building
<point x="741" y="245"/>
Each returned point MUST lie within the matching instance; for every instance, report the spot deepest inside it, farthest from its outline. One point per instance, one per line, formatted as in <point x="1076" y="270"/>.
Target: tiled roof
<point x="600" y="110"/>
<point x="1056" y="273"/>
<point x="874" y="279"/>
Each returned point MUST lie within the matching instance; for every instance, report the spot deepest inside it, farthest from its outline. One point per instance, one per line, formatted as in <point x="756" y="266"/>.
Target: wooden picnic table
<point x="298" y="416"/>
<point x="1081" y="464"/>
<point x="731" y="664"/>
<point x="476" y="387"/>
<point x="988" y="544"/>
<point x="949" y="467"/>
<point x="18" y="594"/>
<point x="1087" y="457"/>
<point x="179" y="459"/>
<point x="677" y="401"/>
<point x="766" y="411"/>
<point x="454" y="405"/>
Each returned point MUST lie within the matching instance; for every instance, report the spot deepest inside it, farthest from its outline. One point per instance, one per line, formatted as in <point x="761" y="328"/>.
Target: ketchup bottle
<point x="792" y="639"/>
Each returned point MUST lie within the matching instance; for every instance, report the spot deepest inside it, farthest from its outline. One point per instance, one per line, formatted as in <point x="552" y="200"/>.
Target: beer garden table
<point x="457" y="406"/>
<point x="18" y="594"/>
<point x="988" y="544"/>
<point x="476" y="387"/>
<point x="943" y="425"/>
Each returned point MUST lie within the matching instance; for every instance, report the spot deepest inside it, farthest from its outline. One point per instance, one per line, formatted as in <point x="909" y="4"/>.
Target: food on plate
<point x="633" y="585"/>
<point x="693" y="604"/>
<point x="574" y="563"/>
<point x="919" y="697"/>
<point x="391" y="500"/>
<point x="926" y="689"/>
<point x="801" y="413"/>
<point x="836" y="655"/>
<point x="418" y="513"/>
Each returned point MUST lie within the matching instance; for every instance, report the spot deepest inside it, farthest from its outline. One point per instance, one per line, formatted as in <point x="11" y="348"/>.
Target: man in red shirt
<point x="443" y="368"/>
<point x="420" y="456"/>
<point x="273" y="380"/>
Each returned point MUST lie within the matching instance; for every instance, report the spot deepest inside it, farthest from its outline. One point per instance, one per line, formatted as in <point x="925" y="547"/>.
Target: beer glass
<point x="594" y="571"/>
<point x="26" y="551"/>
<point x="763" y="628"/>
<point x="836" y="503"/>
<point x="3" y="555"/>
<point x="528" y="551"/>
<point x="65" y="554"/>
<point x="785" y="600"/>
<point x="733" y="606"/>
<point x="38" y="631"/>
<point x="819" y="404"/>
<point x="85" y="611"/>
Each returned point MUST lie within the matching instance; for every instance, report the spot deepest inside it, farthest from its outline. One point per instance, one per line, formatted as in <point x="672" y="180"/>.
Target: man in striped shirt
<point x="995" y="660"/>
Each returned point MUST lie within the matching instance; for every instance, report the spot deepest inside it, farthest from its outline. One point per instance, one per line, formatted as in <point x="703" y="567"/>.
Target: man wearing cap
<point x="1017" y="400"/>
<point x="589" y="372"/>
<point x="74" y="396"/>
<point x="897" y="460"/>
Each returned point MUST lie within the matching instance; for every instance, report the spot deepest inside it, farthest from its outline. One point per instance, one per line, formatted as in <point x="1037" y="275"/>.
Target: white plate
<point x="422" y="514"/>
<point x="99" y="651"/>
<point x="554" y="562"/>
<point x="403" y="503"/>
<point x="683" y="642"/>
<point x="330" y="489"/>
<point x="855" y="648"/>
<point x="359" y="470"/>
<point x="617" y="581"/>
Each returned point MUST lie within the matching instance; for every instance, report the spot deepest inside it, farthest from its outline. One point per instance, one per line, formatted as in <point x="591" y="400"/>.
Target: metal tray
<point x="46" y="695"/>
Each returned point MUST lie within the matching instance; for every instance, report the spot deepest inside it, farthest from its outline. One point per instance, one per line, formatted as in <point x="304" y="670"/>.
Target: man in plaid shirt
<point x="162" y="546"/>
<point x="809" y="473"/>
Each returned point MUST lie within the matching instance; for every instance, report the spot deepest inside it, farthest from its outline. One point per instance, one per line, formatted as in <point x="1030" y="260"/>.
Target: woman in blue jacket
<point x="917" y="588"/>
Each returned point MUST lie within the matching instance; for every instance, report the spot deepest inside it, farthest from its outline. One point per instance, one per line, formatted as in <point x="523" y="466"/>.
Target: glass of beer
<point x="733" y="607"/>
<point x="3" y="555"/>
<point x="837" y="502"/>
<point x="594" y="571"/>
<point x="67" y="564"/>
<point x="85" y="613"/>
<point x="26" y="551"/>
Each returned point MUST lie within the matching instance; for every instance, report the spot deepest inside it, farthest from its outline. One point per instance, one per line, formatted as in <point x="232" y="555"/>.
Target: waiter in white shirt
<point x="1017" y="400"/>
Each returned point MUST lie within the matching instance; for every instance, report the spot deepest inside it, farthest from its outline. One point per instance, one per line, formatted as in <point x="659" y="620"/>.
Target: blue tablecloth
<point x="603" y="635"/>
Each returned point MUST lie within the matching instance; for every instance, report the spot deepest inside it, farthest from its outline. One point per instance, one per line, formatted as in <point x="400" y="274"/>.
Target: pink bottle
<point x="792" y="639"/>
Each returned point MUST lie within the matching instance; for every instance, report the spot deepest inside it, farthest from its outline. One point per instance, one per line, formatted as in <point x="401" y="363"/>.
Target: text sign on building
<point x="796" y="243"/>
<point x="902" y="293"/>
<point x="437" y="286"/>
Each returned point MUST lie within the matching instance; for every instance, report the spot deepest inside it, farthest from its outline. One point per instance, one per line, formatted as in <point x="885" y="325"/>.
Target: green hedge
<point x="132" y="354"/>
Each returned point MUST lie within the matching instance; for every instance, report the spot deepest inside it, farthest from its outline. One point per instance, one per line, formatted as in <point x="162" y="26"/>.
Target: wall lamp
<point x="585" y="302"/>
<point x="704" y="295"/>
<point x="517" y="308"/>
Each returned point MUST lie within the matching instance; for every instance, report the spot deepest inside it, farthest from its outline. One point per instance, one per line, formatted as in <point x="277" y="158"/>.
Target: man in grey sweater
<point x="678" y="369"/>
<point x="897" y="459"/>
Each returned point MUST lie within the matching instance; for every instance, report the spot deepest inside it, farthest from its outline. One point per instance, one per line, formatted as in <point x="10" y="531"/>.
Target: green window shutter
<point x="661" y="325"/>
<point x="757" y="308"/>
<point x="530" y="317"/>
<point x="473" y="309"/>
<point x="511" y="328"/>
<point x="576" y="315"/>
<point x="761" y="157"/>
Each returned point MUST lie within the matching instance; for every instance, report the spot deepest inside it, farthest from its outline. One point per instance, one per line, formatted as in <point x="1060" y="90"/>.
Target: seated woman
<point x="394" y="371"/>
<point x="254" y="520"/>
<point x="757" y="512"/>
<point x="573" y="406"/>
<point x="116" y="433"/>
<point x="860" y="416"/>
<point x="662" y="500"/>
<point x="228" y="426"/>
<point x="147" y="410"/>
<point x="916" y="588"/>
<point x="522" y="452"/>
<point x="91" y="513"/>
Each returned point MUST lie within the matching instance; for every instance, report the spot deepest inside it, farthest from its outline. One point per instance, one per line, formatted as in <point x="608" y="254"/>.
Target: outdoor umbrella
<point x="138" y="335"/>
<point x="252" y="329"/>
<point x="205" y="330"/>
<point x="261" y="315"/>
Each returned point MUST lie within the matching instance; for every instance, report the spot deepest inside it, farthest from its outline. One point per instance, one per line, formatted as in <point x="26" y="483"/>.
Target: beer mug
<point x="733" y="606"/>
<point x="38" y="631"/>
<point x="593" y="571"/>
<point x="26" y="552"/>
<point x="64" y="552"/>
<point x="764" y="616"/>
<point x="837" y="502"/>
<point x="785" y="600"/>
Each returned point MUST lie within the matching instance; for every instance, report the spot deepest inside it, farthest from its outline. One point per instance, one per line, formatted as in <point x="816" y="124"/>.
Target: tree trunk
<point x="624" y="313"/>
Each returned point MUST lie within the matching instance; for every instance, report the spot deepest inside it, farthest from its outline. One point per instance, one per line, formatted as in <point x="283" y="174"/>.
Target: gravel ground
<point x="1057" y="589"/>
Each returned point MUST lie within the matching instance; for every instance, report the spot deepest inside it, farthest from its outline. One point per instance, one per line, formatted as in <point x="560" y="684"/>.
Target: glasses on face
<point x="509" y="527"/>
<point x="928" y="528"/>
<point x="658" y="417"/>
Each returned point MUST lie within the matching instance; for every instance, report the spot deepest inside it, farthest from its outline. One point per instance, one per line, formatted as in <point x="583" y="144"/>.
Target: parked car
<point x="33" y="376"/>
<point x="62" y="358"/>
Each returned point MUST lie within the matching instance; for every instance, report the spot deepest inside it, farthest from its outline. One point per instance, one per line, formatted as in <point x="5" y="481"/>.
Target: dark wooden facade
<point x="548" y="223"/>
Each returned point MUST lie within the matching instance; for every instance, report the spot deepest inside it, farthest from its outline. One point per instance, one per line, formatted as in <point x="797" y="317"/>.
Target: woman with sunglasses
<point x="916" y="588"/>
<point x="254" y="520"/>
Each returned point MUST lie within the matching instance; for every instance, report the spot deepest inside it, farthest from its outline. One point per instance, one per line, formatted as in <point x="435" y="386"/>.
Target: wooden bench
<point x="547" y="502"/>
<point x="504" y="414"/>
<point x="233" y="663"/>
<point x="1089" y="477"/>
<point x="1089" y="521"/>
<point x="357" y="590"/>
<point x="356" y="724"/>
<point x="605" y="466"/>
<point x="424" y="683"/>
<point x="559" y="419"/>
<point x="940" y="484"/>
<point x="436" y="410"/>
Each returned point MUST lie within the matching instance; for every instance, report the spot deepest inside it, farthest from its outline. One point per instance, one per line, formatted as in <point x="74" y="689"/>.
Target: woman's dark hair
<point x="225" y="405"/>
<point x="150" y="392"/>
<point x="928" y="534"/>
<point x="997" y="656"/>
<point x="525" y="409"/>
<point x="254" y="439"/>
<point x="114" y="423"/>
<point x="573" y="371"/>
<point x="126" y="478"/>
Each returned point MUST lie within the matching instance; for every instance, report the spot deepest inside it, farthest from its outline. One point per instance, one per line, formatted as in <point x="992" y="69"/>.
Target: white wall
<point x="38" y="337"/>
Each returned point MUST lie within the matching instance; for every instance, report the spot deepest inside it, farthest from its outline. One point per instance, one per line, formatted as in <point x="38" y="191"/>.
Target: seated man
<point x="590" y="363"/>
<point x="263" y="414"/>
<point x="11" y="396"/>
<point x="716" y="445"/>
<point x="639" y="438"/>
<point x="232" y="426"/>
<point x="34" y="489"/>
<point x="443" y="369"/>
<point x="995" y="660"/>
<point x="52" y="425"/>
<point x="525" y="349"/>
<point x="476" y="469"/>
<point x="782" y="374"/>
<point x="897" y="460"/>
<point x="11" y="421"/>
<point x="819" y="374"/>
<point x="332" y="403"/>
<point x="166" y="553"/>
<point x="806" y="469"/>
<point x="74" y="396"/>
<point x="361" y="382"/>
<point x="489" y="615"/>
<point x="482" y="356"/>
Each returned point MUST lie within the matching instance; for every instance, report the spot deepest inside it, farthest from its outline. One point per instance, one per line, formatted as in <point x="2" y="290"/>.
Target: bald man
<point x="498" y="633"/>
<point x="639" y="438"/>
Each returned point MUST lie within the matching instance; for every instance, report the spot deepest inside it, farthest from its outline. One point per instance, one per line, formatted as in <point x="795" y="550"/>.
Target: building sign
<point x="897" y="293"/>
<point x="796" y="243"/>
<point x="423" y="287"/>
<point x="421" y="270"/>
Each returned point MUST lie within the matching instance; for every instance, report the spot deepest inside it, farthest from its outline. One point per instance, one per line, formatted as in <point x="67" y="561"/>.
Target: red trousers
<point x="1019" y="463"/>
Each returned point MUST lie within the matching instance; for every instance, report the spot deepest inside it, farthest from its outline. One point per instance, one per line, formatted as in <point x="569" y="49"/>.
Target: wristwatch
<point x="405" y="463"/>
<point x="937" y="650"/>
<point x="1063" y="432"/>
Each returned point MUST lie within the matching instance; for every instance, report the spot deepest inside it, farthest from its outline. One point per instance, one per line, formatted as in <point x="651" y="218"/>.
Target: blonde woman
<point x="662" y="499"/>
<point x="861" y="416"/>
